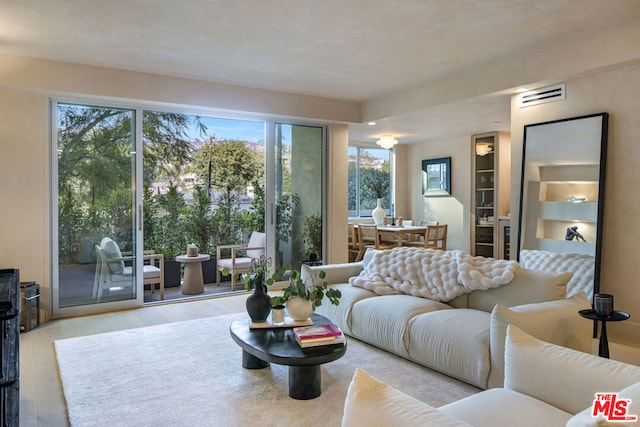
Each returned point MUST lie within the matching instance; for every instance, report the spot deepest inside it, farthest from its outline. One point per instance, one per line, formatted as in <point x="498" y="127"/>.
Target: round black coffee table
<point x="278" y="345"/>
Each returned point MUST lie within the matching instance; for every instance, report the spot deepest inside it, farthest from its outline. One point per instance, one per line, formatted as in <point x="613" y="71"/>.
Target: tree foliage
<point x="233" y="165"/>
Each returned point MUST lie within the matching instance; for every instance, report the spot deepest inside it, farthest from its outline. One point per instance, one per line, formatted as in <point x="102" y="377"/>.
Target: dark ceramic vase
<point x="259" y="303"/>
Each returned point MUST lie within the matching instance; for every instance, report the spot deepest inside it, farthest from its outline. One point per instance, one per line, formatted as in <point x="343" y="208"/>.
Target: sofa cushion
<point x="527" y="286"/>
<point x="586" y="418"/>
<point x="565" y="378"/>
<point x="112" y="252"/>
<point x="333" y="273"/>
<point x="582" y="267"/>
<point x="454" y="342"/>
<point x="501" y="407"/>
<point x="383" y="321"/>
<point x="556" y="322"/>
<point x="341" y="314"/>
<point x="371" y="403"/>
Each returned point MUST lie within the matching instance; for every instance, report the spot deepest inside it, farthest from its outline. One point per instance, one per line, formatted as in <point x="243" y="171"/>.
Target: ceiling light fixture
<point x="483" y="148"/>
<point x="371" y="123"/>
<point x="387" y="141"/>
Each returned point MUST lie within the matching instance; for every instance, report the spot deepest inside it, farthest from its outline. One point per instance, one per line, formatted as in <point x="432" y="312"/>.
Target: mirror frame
<point x="444" y="176"/>
<point x="601" y="181"/>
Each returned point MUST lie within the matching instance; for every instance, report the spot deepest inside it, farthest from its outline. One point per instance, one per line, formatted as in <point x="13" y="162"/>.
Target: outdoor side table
<point x="616" y="316"/>
<point x="193" y="283"/>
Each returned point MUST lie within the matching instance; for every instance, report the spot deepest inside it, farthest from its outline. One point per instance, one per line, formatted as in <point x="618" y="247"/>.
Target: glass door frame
<point x="271" y="142"/>
<point x="137" y="214"/>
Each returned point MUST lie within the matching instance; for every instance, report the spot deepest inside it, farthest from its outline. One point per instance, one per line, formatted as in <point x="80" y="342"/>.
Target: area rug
<point x="190" y="374"/>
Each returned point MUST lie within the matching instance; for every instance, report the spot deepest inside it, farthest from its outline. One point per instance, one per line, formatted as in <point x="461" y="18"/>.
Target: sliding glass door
<point x="94" y="207"/>
<point x="298" y="194"/>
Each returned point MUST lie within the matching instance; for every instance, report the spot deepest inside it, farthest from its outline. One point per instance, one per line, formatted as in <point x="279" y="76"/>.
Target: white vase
<point x="378" y="214"/>
<point x="299" y="308"/>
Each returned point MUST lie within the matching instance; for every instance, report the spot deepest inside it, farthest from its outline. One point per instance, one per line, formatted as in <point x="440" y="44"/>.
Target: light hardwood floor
<point x="41" y="398"/>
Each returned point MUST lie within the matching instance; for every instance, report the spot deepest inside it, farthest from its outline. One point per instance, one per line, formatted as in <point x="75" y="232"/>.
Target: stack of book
<point x="315" y="335"/>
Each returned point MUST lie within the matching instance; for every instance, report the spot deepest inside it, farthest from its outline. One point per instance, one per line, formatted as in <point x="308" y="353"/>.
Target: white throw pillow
<point x="112" y="251"/>
<point x="559" y="376"/>
<point x="527" y="287"/>
<point x="257" y="240"/>
<point x="557" y="322"/>
<point x="371" y="403"/>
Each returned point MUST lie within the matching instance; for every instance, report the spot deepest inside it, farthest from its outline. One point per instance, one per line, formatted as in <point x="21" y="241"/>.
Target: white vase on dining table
<point x="378" y="213"/>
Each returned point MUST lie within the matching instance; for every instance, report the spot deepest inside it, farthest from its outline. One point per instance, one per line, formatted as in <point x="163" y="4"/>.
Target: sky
<point x="230" y="129"/>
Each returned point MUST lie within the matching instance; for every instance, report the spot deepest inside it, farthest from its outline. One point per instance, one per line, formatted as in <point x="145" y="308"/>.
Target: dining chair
<point x="369" y="237"/>
<point x="435" y="237"/>
<point x="354" y="245"/>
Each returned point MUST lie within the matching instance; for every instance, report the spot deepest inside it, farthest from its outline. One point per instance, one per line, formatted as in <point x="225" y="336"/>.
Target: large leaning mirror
<point x="562" y="188"/>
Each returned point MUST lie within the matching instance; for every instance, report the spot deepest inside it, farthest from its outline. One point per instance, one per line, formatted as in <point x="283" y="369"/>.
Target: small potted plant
<point x="192" y="250"/>
<point x="277" y="309"/>
<point x="312" y="235"/>
<point x="302" y="298"/>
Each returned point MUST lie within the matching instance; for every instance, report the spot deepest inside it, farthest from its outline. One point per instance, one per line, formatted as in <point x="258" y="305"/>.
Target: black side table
<point x="616" y="316"/>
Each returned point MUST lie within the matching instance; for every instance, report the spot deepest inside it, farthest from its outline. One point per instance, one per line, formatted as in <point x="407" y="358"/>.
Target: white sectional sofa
<point x="545" y="385"/>
<point x="463" y="338"/>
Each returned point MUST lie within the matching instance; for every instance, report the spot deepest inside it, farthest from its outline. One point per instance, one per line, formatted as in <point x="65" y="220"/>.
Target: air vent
<point x="542" y="95"/>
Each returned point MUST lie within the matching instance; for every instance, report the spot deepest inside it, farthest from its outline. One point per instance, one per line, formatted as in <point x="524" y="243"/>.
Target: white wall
<point x="615" y="92"/>
<point x="455" y="210"/>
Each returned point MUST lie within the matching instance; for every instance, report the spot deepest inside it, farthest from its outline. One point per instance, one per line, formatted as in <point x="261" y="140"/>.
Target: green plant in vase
<point x="302" y="298"/>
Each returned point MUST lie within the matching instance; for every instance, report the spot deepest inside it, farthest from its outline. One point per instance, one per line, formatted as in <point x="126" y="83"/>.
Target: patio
<point x="76" y="285"/>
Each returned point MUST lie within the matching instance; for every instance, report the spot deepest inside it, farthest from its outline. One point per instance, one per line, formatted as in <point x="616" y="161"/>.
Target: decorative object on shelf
<point x="192" y="250"/>
<point x="576" y="199"/>
<point x="302" y="299"/>
<point x="603" y="304"/>
<point x="378" y="213"/>
<point x="436" y="177"/>
<point x="387" y="141"/>
<point x="573" y="233"/>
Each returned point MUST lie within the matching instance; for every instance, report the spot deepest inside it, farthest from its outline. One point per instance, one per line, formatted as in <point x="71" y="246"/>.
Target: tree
<point x="95" y="147"/>
<point x="233" y="165"/>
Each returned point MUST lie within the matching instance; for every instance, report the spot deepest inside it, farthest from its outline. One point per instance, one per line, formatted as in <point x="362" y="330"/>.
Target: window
<point x="369" y="178"/>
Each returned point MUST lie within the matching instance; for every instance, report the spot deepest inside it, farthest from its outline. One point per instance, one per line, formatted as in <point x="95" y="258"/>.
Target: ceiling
<point x="355" y="50"/>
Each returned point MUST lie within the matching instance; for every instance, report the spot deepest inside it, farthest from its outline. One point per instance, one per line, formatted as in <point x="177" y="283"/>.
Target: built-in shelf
<point x="566" y="196"/>
<point x="490" y="196"/>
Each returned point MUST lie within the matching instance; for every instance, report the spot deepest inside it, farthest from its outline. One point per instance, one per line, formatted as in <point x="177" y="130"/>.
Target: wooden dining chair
<point x="369" y="237"/>
<point x="435" y="237"/>
<point x="354" y="244"/>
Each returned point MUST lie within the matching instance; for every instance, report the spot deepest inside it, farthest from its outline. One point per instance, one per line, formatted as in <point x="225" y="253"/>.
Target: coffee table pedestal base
<point x="249" y="361"/>
<point x="304" y="382"/>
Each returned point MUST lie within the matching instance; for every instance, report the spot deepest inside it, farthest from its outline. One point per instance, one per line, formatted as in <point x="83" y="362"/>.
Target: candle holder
<point x="603" y="304"/>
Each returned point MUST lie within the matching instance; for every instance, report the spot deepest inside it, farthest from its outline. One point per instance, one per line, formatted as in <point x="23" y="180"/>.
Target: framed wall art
<point x="436" y="177"/>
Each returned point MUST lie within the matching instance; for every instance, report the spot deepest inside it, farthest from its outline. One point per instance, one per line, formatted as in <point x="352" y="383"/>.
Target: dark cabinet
<point x="9" y="347"/>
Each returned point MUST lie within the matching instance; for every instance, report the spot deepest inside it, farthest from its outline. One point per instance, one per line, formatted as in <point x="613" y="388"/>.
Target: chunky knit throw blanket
<point x="433" y="274"/>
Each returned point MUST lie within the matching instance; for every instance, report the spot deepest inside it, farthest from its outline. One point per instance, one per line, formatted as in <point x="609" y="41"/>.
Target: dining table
<point x="396" y="233"/>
